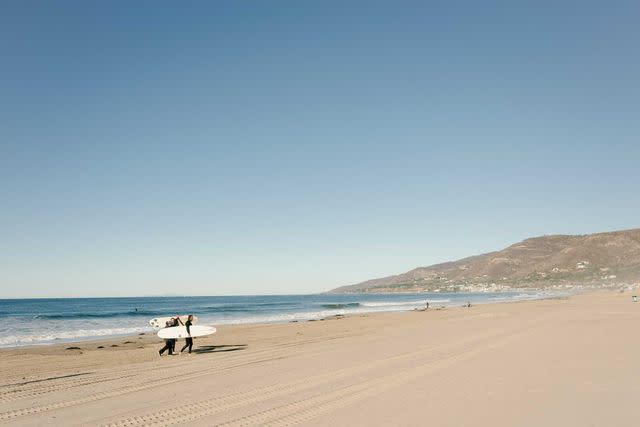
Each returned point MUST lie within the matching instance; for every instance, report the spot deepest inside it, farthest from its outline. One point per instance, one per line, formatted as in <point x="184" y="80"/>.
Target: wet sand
<point x="565" y="362"/>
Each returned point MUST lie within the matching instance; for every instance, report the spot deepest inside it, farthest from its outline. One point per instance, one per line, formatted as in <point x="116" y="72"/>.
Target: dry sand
<point x="564" y="362"/>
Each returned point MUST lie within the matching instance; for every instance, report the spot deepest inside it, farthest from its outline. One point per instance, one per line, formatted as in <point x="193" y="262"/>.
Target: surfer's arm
<point x="188" y="325"/>
<point x="178" y="318"/>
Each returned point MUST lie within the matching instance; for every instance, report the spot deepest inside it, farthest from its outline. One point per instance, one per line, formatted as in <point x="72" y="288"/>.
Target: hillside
<point x="547" y="262"/>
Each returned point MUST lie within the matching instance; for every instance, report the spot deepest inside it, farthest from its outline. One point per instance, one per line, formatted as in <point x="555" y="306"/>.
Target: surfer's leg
<point x="188" y="342"/>
<point x="166" y="347"/>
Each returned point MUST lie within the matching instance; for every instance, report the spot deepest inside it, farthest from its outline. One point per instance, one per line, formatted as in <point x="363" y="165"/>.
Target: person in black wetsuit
<point x="189" y="340"/>
<point x="169" y="344"/>
<point x="175" y="322"/>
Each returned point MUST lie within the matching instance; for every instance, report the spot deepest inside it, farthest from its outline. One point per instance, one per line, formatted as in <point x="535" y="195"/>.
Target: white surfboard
<point x="161" y="322"/>
<point x="176" y="332"/>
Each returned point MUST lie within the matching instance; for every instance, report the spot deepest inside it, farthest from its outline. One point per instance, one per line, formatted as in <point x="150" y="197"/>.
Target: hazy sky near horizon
<point x="207" y="148"/>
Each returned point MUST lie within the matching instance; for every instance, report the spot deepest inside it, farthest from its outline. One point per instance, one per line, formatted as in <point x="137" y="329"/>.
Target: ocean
<point x="46" y="321"/>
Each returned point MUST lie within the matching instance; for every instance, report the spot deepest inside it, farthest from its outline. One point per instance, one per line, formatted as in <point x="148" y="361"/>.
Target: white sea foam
<point x="521" y="296"/>
<point x="27" y="330"/>
<point x="404" y="303"/>
<point x="52" y="336"/>
<point x="316" y="315"/>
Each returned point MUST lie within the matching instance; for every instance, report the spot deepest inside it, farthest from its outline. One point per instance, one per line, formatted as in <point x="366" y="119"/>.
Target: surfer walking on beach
<point x="175" y="322"/>
<point x="188" y="342"/>
<point x="168" y="343"/>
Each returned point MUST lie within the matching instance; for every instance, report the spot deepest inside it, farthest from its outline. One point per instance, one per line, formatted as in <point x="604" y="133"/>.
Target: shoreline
<point x="376" y="368"/>
<point x="113" y="339"/>
<point x="147" y="331"/>
<point x="138" y="347"/>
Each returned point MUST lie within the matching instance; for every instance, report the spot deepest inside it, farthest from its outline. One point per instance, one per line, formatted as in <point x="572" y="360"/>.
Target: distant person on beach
<point x="168" y="343"/>
<point x="188" y="342"/>
<point x="427" y="305"/>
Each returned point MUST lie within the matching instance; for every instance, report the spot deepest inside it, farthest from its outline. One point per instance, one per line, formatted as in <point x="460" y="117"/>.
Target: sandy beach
<point x="564" y="362"/>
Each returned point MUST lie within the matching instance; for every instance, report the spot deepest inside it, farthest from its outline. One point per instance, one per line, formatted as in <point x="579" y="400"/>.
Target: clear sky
<point x="253" y="147"/>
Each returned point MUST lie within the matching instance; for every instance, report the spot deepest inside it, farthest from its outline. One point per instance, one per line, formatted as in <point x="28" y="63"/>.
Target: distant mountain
<point x="547" y="262"/>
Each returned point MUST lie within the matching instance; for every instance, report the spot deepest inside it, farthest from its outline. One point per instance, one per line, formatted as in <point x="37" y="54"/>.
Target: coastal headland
<point x="553" y="262"/>
<point x="564" y="361"/>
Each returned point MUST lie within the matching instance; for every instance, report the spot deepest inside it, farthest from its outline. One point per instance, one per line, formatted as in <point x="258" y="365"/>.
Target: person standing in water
<point x="188" y="340"/>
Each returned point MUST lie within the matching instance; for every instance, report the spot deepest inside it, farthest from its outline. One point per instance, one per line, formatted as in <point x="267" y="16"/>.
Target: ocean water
<point x="46" y="321"/>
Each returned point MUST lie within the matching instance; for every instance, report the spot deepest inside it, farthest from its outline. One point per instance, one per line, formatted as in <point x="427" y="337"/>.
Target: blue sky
<point x="209" y="148"/>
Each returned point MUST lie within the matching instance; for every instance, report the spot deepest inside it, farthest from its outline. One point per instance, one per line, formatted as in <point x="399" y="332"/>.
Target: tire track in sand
<point x="42" y="385"/>
<point x="308" y="408"/>
<point x="265" y="355"/>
